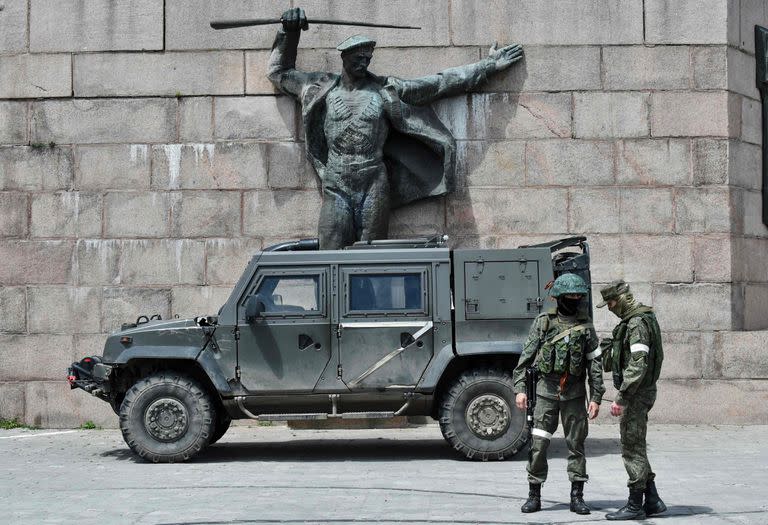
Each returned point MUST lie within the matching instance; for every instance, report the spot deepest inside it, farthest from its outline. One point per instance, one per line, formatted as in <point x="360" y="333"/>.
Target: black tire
<point x="221" y="427"/>
<point x="479" y="401"/>
<point x="167" y="417"/>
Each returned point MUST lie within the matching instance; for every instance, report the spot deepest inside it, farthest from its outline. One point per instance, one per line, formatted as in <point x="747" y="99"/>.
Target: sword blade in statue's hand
<point x="230" y="24"/>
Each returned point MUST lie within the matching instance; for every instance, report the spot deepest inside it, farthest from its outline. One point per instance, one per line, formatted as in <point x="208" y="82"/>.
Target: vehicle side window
<point x="383" y="292"/>
<point x="290" y="293"/>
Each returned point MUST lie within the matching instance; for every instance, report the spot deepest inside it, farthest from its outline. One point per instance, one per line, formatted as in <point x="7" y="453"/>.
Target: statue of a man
<point x="374" y="141"/>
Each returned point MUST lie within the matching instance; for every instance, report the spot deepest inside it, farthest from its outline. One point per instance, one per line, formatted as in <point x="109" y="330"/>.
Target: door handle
<point x="305" y="341"/>
<point x="406" y="339"/>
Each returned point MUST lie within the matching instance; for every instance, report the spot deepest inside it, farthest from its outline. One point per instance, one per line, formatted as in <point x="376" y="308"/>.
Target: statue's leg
<point x="374" y="212"/>
<point x="335" y="228"/>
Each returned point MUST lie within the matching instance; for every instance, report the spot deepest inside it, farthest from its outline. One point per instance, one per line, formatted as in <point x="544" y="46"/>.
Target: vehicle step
<point x="367" y="415"/>
<point x="291" y="417"/>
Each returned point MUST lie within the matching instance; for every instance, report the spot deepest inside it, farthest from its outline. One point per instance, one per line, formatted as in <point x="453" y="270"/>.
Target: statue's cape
<point x="420" y="152"/>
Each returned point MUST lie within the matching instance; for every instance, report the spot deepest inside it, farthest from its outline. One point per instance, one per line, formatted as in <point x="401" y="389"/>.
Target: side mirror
<point x="254" y="308"/>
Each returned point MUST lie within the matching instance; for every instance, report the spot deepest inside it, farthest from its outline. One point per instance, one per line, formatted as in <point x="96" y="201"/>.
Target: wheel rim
<point x="166" y="419"/>
<point x="488" y="416"/>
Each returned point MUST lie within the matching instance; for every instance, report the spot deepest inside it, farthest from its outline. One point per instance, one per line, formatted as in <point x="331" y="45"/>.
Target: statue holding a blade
<point x="374" y="141"/>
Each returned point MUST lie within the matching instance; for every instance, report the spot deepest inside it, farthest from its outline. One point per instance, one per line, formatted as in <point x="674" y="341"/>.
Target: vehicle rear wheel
<point x="221" y="427"/>
<point x="478" y="415"/>
<point x="167" y="417"/>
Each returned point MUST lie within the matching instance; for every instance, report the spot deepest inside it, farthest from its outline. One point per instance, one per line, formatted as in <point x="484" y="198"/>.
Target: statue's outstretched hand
<point x="506" y="56"/>
<point x="294" y="20"/>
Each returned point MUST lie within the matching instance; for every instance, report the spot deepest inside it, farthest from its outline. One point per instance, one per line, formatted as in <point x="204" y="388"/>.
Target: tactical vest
<point x="565" y="351"/>
<point x="621" y="341"/>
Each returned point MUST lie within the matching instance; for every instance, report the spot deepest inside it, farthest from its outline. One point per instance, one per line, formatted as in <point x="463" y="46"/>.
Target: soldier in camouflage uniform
<point x="633" y="355"/>
<point x="563" y="345"/>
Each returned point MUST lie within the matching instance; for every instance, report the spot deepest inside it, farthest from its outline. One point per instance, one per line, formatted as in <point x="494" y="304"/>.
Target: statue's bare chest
<point x="355" y="122"/>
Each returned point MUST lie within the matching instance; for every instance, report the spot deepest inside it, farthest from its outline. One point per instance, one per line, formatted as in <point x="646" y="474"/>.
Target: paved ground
<point x="259" y="475"/>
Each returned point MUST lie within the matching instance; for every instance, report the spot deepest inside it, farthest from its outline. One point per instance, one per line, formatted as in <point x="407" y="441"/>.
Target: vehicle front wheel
<point x="167" y="417"/>
<point x="478" y="415"/>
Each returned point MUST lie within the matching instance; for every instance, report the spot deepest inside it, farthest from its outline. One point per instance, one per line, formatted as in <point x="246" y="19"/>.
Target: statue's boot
<point x="633" y="510"/>
<point x="577" y="498"/>
<point x="653" y="503"/>
<point x="533" y="503"/>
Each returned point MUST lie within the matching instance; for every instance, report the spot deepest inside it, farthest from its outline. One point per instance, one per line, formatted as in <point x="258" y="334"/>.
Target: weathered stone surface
<point x="595" y="210"/>
<point x="639" y="67"/>
<point x="289" y="167"/>
<point x="137" y="214"/>
<point x="33" y="357"/>
<point x="605" y="257"/>
<point x="104" y="121"/>
<point x="646" y="210"/>
<point x="267" y="118"/>
<point x="418" y="220"/>
<point x="741" y="72"/>
<point x="741" y="398"/>
<point x="710" y="67"/>
<point x="741" y="354"/>
<point x="507" y="115"/>
<point x="227" y="259"/>
<point x="654" y="162"/>
<point x="507" y="211"/>
<point x="63" y="310"/>
<point x="124" y="305"/>
<point x="569" y="162"/>
<point x="193" y="301"/>
<point x="481" y="163"/>
<point x="13" y="115"/>
<point x="703" y="210"/>
<point x="657" y="258"/>
<point x="196" y="119"/>
<point x="206" y="214"/>
<point x="751" y="117"/>
<point x="684" y="354"/>
<point x="66" y="214"/>
<point x="755" y="306"/>
<point x="13" y="214"/>
<point x="165" y="262"/>
<point x="569" y="22"/>
<point x="682" y="114"/>
<point x="694" y="306"/>
<point x="236" y="165"/>
<point x="89" y="344"/>
<point x="712" y="258"/>
<point x="98" y="261"/>
<point x="96" y="25"/>
<point x="290" y="214"/>
<point x="673" y="22"/>
<point x="753" y="214"/>
<point x="752" y="12"/>
<point x="112" y="167"/>
<point x="610" y="115"/>
<point x="12" y="401"/>
<point x="35" y="262"/>
<point x="13" y="309"/>
<point x="710" y="161"/>
<point x="51" y="404"/>
<point x="35" y="76"/>
<point x="749" y="256"/>
<point x="745" y="165"/>
<point x="545" y="68"/>
<point x="154" y="74"/>
<point x="35" y="169"/>
<point x="13" y="27"/>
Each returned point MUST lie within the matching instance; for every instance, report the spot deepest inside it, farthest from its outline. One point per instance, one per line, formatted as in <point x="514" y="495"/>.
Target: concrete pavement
<point x="262" y="475"/>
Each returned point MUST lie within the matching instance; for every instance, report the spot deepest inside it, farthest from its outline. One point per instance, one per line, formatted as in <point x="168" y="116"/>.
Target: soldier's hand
<point x="294" y="20"/>
<point x="616" y="409"/>
<point x="593" y="409"/>
<point x="506" y="56"/>
<point x="521" y="400"/>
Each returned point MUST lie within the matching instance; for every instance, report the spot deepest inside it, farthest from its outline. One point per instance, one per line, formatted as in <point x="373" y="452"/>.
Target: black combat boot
<point x="653" y="503"/>
<point x="577" y="498"/>
<point x="633" y="510"/>
<point x="533" y="503"/>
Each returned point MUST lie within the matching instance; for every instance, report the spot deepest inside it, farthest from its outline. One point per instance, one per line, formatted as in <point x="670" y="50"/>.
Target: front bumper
<point x="91" y="375"/>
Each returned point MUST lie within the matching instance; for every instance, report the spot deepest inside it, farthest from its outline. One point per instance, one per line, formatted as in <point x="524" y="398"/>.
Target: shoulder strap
<point x="570" y="330"/>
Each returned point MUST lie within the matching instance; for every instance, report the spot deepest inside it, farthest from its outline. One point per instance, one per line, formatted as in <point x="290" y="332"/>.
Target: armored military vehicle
<point x="380" y="329"/>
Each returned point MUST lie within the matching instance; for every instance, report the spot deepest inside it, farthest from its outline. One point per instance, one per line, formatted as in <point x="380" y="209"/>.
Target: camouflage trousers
<point x="634" y="427"/>
<point x="573" y="414"/>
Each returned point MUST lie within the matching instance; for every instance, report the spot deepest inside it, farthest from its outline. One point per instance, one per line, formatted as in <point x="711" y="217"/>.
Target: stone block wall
<point x="144" y="157"/>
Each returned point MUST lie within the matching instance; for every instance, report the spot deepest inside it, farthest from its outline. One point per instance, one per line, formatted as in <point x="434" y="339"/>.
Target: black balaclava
<point x="568" y="307"/>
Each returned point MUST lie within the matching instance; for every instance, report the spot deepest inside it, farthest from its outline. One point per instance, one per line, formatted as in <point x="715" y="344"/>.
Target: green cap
<point x="613" y="291"/>
<point x="355" y="41"/>
<point x="569" y="283"/>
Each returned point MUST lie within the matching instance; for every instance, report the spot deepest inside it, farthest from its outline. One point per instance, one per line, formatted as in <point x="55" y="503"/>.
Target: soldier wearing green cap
<point x="634" y="355"/>
<point x="563" y="345"/>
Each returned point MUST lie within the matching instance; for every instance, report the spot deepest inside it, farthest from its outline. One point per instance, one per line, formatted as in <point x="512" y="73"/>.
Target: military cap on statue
<point x="355" y="41"/>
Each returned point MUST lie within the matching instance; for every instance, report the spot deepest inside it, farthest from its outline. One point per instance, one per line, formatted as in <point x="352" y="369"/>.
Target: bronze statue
<point x="374" y="141"/>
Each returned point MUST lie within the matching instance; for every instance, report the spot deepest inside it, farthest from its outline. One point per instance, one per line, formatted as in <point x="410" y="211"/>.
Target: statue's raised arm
<point x="282" y="62"/>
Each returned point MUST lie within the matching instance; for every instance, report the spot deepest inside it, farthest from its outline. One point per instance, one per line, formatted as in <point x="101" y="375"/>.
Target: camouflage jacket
<point x="584" y="357"/>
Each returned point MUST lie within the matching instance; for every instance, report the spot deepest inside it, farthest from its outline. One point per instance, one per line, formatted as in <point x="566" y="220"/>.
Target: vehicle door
<point x="288" y="344"/>
<point x="385" y="331"/>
